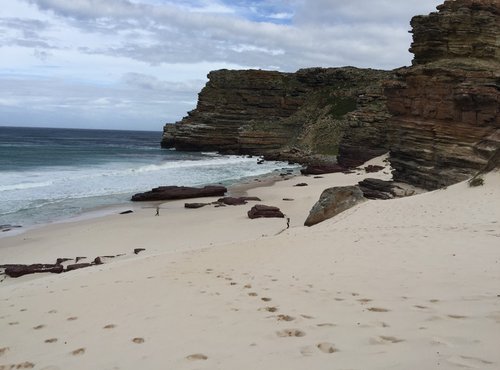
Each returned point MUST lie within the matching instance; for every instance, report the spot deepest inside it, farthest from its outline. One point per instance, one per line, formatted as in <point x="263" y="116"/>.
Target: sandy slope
<point x="412" y="283"/>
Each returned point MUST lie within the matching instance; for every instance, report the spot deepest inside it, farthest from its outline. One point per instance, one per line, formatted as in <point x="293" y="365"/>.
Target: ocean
<point x="52" y="174"/>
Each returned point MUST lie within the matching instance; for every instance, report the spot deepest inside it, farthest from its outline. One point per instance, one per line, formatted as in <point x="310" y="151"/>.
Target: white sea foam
<point x="44" y="193"/>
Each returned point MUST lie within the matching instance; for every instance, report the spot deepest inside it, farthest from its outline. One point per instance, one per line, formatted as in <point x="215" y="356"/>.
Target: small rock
<point x="126" y="212"/>
<point x="77" y="266"/>
<point x="138" y="250"/>
<point x="195" y="205"/>
<point x="263" y="211"/>
<point x="301" y="184"/>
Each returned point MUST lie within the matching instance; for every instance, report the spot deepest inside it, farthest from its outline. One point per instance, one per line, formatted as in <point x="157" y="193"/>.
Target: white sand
<point x="412" y="283"/>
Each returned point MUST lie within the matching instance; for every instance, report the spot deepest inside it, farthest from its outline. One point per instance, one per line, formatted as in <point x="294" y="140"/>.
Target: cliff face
<point x="262" y="112"/>
<point x="446" y="119"/>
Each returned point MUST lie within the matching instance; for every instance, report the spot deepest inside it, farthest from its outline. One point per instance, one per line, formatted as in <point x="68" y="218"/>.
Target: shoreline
<point x="240" y="186"/>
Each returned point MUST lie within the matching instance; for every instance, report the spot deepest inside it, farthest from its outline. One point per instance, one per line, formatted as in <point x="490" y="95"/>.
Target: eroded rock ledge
<point x="446" y="124"/>
<point x="266" y="112"/>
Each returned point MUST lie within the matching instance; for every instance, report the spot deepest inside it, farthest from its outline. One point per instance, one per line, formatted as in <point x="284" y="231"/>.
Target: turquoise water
<point x="50" y="174"/>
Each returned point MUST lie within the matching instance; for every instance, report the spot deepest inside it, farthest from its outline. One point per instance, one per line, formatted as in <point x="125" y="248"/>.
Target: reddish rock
<point x="195" y="205"/>
<point x="20" y="270"/>
<point x="77" y="266"/>
<point x="446" y="116"/>
<point x="269" y="112"/>
<point x="62" y="260"/>
<point x="321" y="169"/>
<point x="232" y="201"/>
<point x="179" y="192"/>
<point x="373" y="168"/>
<point x="263" y="211"/>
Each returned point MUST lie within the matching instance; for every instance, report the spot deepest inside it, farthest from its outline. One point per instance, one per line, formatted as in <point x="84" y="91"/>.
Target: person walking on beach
<point x="157" y="211"/>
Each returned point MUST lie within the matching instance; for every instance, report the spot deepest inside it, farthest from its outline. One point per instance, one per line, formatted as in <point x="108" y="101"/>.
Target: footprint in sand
<point x="73" y="318"/>
<point x="265" y="299"/>
<point x="38" y="327"/>
<point x="247" y="286"/>
<point x="468" y="362"/>
<point x="457" y="316"/>
<point x="307" y="317"/>
<point x="77" y="352"/>
<point x="364" y="300"/>
<point x="378" y="309"/>
<point x="384" y="339"/>
<point x="3" y="350"/>
<point x="290" y="333"/>
<point x="308" y="351"/>
<point x="197" y="357"/>
<point x="23" y="365"/>
<point x="252" y="294"/>
<point x="138" y="340"/>
<point x="326" y="347"/>
<point x="420" y="306"/>
<point x="51" y="340"/>
<point x="109" y="326"/>
<point x="14" y="323"/>
<point x="326" y="324"/>
<point x="270" y="309"/>
<point x="285" y="318"/>
<point x="52" y="311"/>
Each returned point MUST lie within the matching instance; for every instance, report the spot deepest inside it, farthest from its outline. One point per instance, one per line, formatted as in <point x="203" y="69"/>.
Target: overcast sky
<point x="136" y="64"/>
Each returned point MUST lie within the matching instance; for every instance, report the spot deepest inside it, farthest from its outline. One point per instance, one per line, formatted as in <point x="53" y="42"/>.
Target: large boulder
<point x="179" y="192"/>
<point x="261" y="210"/>
<point x="334" y="201"/>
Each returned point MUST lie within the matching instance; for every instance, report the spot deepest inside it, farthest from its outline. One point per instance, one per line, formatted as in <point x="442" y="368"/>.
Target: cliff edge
<point x="268" y="112"/>
<point x="445" y="123"/>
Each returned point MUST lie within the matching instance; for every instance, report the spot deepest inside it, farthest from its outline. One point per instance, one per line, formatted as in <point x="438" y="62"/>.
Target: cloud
<point x="127" y="55"/>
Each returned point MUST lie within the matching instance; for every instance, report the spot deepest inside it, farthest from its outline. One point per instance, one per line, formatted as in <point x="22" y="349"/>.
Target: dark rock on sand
<point x="77" y="266"/>
<point x="195" y="205"/>
<point x="380" y="189"/>
<point x="321" y="169"/>
<point x="20" y="270"/>
<point x="77" y="259"/>
<point x="232" y="201"/>
<point x="179" y="192"/>
<point x="300" y="184"/>
<point x="138" y="250"/>
<point x="373" y="168"/>
<point x="263" y="211"/>
<point x="126" y="212"/>
<point x="98" y="261"/>
<point x="62" y="260"/>
<point x="334" y="201"/>
<point x="8" y="227"/>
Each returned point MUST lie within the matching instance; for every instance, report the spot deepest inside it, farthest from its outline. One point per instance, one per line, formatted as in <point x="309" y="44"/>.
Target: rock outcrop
<point x="446" y="115"/>
<point x="263" y="211"/>
<point x="333" y="201"/>
<point x="179" y="192"/>
<point x="266" y="112"/>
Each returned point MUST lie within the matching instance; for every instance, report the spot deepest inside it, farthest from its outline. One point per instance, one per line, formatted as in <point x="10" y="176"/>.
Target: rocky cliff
<point x="266" y="112"/>
<point x="445" y="108"/>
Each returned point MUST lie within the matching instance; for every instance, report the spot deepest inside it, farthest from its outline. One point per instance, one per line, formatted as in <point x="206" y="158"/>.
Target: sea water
<point x="49" y="174"/>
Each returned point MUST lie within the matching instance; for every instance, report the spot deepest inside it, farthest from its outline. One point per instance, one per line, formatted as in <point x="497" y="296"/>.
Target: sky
<point x="138" y="64"/>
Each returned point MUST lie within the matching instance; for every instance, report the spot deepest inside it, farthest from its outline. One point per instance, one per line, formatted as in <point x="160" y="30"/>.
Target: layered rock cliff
<point x="266" y="112"/>
<point x="445" y="108"/>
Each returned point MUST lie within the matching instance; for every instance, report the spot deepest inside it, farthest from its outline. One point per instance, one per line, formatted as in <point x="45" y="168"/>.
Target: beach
<point x="408" y="283"/>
